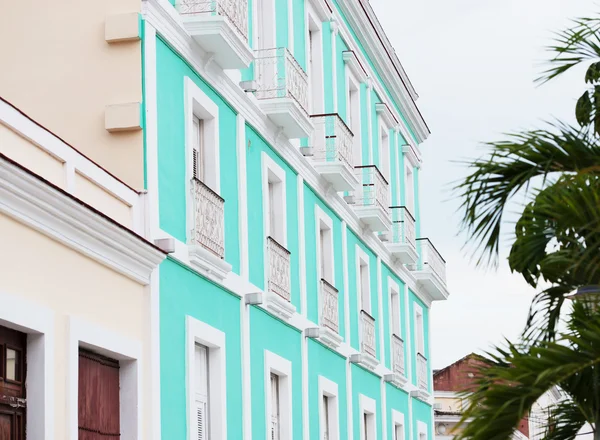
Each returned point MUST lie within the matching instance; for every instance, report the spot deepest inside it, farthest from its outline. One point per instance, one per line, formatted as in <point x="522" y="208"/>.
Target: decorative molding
<point x="47" y="209"/>
<point x="413" y="155"/>
<point x="330" y="338"/>
<point x="386" y="115"/>
<point x="207" y="263"/>
<point x="278" y="306"/>
<point x="354" y="65"/>
<point x="162" y="15"/>
<point x="323" y="9"/>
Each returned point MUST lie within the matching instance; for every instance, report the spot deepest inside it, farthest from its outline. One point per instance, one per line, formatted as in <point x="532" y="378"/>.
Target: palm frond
<point x="565" y="421"/>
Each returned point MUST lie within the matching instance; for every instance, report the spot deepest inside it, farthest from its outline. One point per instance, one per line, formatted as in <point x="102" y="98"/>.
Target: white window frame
<point x="368" y="406"/>
<point x="283" y="368"/>
<point x="384" y="153"/>
<point x="409" y="183"/>
<point x="329" y="389"/>
<point x="198" y="332"/>
<point x="267" y="7"/>
<point x="271" y="172"/>
<point x="316" y="84"/>
<point x="83" y="334"/>
<point x="419" y="329"/>
<point x="38" y="323"/>
<point x="394" y="289"/>
<point x="353" y="85"/>
<point x="421" y="430"/>
<point x="324" y="222"/>
<point x="362" y="257"/>
<point x="398" y="422"/>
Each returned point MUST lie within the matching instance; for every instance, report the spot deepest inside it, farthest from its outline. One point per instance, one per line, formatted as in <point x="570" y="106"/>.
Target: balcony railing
<point x="398" y="355"/>
<point x="236" y="11"/>
<point x="368" y="333"/>
<point x="373" y="188"/>
<point x="209" y="219"/>
<point x="403" y="226"/>
<point x="279" y="269"/>
<point x="431" y="258"/>
<point x="329" y="304"/>
<point x="422" y="379"/>
<point x="279" y="75"/>
<point x="333" y="139"/>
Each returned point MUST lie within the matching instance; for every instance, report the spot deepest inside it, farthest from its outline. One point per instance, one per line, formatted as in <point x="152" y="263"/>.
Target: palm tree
<point x="557" y="170"/>
<point x="514" y="378"/>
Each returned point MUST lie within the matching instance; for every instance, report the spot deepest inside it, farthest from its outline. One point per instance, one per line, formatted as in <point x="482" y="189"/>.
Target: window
<point x="201" y="394"/>
<point x="353" y="116"/>
<point x="325" y="245"/>
<point x="419" y="329"/>
<point x="364" y="290"/>
<point x="274" y="200"/>
<point x="265" y="24"/>
<point x="98" y="396"/>
<point x="395" y="312"/>
<point x="410" y="188"/>
<point x="206" y="390"/>
<point x="13" y="345"/>
<point x="278" y="405"/>
<point x="367" y="408"/>
<point x="422" y="430"/>
<point x="326" y="420"/>
<point x="315" y="62"/>
<point x="397" y="425"/>
<point x="384" y="151"/>
<point x="275" y="410"/>
<point x="328" y="392"/>
<point x="198" y="161"/>
<point x="398" y="432"/>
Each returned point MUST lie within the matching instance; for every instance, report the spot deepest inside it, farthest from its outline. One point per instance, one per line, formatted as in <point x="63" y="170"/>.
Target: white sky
<point x="473" y="63"/>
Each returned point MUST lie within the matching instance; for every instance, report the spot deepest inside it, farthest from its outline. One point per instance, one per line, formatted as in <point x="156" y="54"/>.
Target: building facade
<point x="273" y="146"/>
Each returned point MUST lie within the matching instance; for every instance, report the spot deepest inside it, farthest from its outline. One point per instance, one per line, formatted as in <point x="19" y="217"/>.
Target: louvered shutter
<point x="197" y="153"/>
<point x="274" y="407"/>
<point x="201" y="392"/>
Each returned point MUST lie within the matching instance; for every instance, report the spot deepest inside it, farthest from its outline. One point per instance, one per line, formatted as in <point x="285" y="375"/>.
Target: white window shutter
<point x="325" y="418"/>
<point x="198" y="153"/>
<point x="274" y="407"/>
<point x="201" y="392"/>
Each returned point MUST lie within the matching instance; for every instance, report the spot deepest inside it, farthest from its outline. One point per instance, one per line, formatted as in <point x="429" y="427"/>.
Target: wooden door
<point x="13" y="347"/>
<point x="99" y="410"/>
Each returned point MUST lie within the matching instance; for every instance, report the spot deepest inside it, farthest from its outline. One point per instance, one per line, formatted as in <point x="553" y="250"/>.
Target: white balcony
<point x="279" y="281"/>
<point x="220" y="27"/>
<point x="399" y="373"/>
<point x="332" y="143"/>
<point x="368" y="349"/>
<point x="403" y="245"/>
<point x="422" y="373"/>
<point x="329" y="321"/>
<point x="207" y="242"/>
<point x="282" y="91"/>
<point x="372" y="197"/>
<point x="431" y="270"/>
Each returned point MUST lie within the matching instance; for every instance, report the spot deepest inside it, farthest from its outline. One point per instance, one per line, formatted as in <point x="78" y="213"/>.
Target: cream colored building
<point x="75" y="274"/>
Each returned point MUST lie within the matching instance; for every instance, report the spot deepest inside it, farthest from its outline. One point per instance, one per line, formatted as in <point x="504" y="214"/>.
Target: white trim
<point x="356" y="121"/>
<point x="330" y="389"/>
<point x="161" y="14"/>
<point x="398" y="420"/>
<point x="128" y="352"/>
<point x="283" y="368"/>
<point x="323" y="9"/>
<point x="246" y="373"/>
<point x="32" y="202"/>
<point x="418" y="310"/>
<point x="398" y="200"/>
<point x="214" y="339"/>
<point x="316" y="85"/>
<point x="370" y="119"/>
<point x="302" y="246"/>
<point x="290" y="26"/>
<point x="322" y="217"/>
<point x="334" y="32"/>
<point x="74" y="162"/>
<point x="349" y="399"/>
<point x="346" y="295"/>
<point x="379" y="327"/>
<point x="270" y="169"/>
<point x="408" y="371"/>
<point x="393" y="288"/>
<point x="305" y="385"/>
<point x="242" y="196"/>
<point x="352" y="62"/>
<point x="368" y="406"/>
<point x="421" y="429"/>
<point x="362" y="256"/>
<point x="38" y="322"/>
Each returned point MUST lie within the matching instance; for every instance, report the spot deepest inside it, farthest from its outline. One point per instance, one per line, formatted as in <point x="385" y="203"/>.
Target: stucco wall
<point x="44" y="272"/>
<point x="60" y="71"/>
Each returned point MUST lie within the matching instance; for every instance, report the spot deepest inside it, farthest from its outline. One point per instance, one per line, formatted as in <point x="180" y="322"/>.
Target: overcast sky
<point x="473" y="63"/>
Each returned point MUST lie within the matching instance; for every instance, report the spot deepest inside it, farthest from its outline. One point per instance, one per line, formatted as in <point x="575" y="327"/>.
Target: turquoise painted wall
<point x="299" y="32"/>
<point x="421" y="413"/>
<point x="387" y="324"/>
<point x="255" y="147"/>
<point x="183" y="293"/>
<point x="398" y="400"/>
<point x="170" y="73"/>
<point x="267" y="333"/>
<point x="329" y="364"/>
<point x="366" y="383"/>
<point x="311" y="201"/>
<point x="412" y="300"/>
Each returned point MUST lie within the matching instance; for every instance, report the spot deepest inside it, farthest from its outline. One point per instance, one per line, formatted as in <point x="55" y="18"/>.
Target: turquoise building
<point x="282" y="174"/>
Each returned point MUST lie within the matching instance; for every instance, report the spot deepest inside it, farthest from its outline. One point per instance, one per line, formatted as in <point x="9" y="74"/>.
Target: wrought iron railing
<point x="279" y="75"/>
<point x="373" y="188"/>
<point x="403" y="226"/>
<point x="279" y="269"/>
<point x="422" y="379"/>
<point x="236" y="11"/>
<point x="398" y="355"/>
<point x="329" y="306"/>
<point x="431" y="258"/>
<point x="368" y="333"/>
<point x="209" y="219"/>
<point x="333" y="139"/>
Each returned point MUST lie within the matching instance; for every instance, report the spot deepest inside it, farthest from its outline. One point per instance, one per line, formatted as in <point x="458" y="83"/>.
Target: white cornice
<point x="377" y="52"/>
<point x="35" y="203"/>
<point x="323" y="9"/>
<point x="354" y="65"/>
<point x="384" y="111"/>
<point x="161" y="15"/>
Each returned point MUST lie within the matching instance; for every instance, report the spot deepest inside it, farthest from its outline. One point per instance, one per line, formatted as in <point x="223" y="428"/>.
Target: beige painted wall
<point x="59" y="70"/>
<point x="47" y="273"/>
